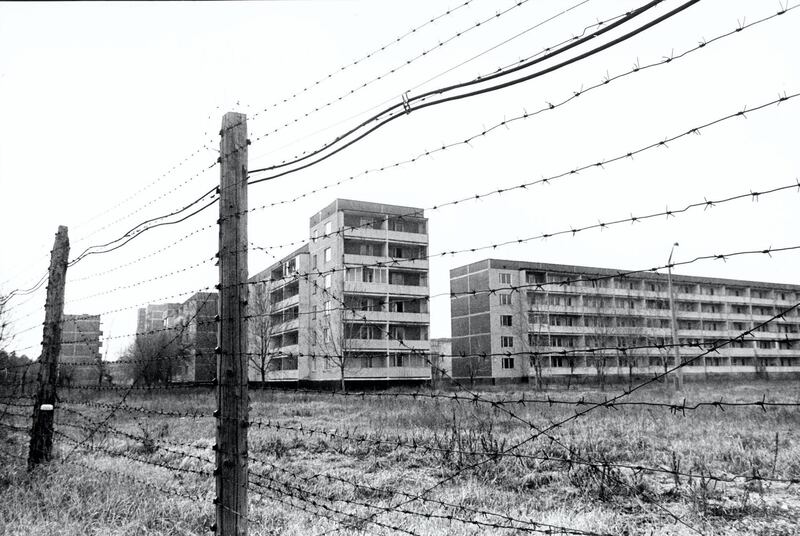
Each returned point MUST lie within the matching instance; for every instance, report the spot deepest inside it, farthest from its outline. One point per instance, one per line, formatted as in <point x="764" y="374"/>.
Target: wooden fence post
<point x="232" y="401"/>
<point x="41" y="445"/>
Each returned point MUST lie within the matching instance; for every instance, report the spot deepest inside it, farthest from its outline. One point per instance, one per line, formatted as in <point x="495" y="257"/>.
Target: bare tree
<point x="15" y="370"/>
<point x="439" y="364"/>
<point x="472" y="365"/>
<point x="101" y="366"/>
<point x="262" y="327"/>
<point x="337" y="339"/>
<point x="602" y="334"/>
<point x="3" y="322"/>
<point x="530" y="332"/>
<point x="653" y="341"/>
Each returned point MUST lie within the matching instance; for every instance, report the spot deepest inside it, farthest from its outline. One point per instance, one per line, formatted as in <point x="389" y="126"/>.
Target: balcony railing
<point x="387" y="316"/>
<point x="381" y="234"/>
<point x="384" y="288"/>
<point x="389" y="262"/>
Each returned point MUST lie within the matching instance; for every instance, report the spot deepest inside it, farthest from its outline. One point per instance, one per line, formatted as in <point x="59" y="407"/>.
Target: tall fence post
<point x="41" y="445"/>
<point x="232" y="401"/>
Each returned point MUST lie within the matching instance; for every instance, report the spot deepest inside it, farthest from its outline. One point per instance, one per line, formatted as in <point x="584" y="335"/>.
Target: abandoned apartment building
<point x="558" y="313"/>
<point x="351" y="303"/>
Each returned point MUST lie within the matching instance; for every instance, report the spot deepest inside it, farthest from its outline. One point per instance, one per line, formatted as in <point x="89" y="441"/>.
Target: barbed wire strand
<point x="410" y="105"/>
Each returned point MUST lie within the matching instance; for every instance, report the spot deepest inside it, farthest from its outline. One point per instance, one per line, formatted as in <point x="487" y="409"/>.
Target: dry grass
<point x="367" y="476"/>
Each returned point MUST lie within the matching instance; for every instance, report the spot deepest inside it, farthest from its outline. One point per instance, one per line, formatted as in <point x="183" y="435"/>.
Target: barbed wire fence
<point x="231" y="453"/>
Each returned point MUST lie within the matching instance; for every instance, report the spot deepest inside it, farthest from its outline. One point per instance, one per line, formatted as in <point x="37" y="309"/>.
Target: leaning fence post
<point x="41" y="445"/>
<point x="232" y="402"/>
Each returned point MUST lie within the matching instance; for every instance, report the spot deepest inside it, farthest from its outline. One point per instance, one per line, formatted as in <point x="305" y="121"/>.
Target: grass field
<point x="359" y="463"/>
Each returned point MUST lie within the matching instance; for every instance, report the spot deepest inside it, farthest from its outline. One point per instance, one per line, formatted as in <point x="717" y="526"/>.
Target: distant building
<point x="79" y="358"/>
<point x="357" y="290"/>
<point x="157" y="316"/>
<point x="189" y="327"/>
<point x="497" y="331"/>
<point x="199" y="336"/>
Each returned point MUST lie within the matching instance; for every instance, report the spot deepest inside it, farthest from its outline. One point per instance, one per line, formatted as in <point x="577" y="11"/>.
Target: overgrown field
<point x="323" y="463"/>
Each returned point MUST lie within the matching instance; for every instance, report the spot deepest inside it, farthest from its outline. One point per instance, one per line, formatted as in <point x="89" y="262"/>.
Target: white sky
<point x="98" y="100"/>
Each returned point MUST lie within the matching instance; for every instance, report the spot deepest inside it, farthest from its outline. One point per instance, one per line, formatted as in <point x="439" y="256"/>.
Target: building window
<point x="314" y="235"/>
<point x="505" y="320"/>
<point x="396" y="252"/>
<point x="505" y="279"/>
<point x="505" y="299"/>
<point x="396" y="360"/>
<point x="353" y="274"/>
<point x="328" y="279"/>
<point x="398" y="333"/>
<point x="327" y="254"/>
<point x="506" y="342"/>
<point x="313" y="340"/>
<point x="508" y="362"/>
<point x="378" y="275"/>
<point x="328" y="227"/>
<point x="327" y="307"/>
<point x="314" y="311"/>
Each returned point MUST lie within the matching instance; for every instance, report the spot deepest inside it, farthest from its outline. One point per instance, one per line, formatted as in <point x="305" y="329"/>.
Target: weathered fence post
<point x="41" y="445"/>
<point x="232" y="401"/>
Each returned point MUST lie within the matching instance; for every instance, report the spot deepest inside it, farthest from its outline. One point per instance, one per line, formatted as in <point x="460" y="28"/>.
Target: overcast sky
<point x="99" y="100"/>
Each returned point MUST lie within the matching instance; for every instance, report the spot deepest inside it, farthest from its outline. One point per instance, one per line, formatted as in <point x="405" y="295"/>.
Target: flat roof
<point x="503" y="264"/>
<point x="266" y="271"/>
<point x="339" y="205"/>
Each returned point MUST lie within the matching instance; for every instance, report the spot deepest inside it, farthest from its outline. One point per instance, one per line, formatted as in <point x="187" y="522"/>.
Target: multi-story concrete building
<point x="189" y="327"/>
<point x="352" y="302"/>
<point x="199" y="335"/>
<point x="559" y="322"/>
<point x="156" y="316"/>
<point x="79" y="359"/>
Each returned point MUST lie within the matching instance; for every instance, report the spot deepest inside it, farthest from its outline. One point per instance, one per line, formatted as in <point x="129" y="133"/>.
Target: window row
<point x="538" y="278"/>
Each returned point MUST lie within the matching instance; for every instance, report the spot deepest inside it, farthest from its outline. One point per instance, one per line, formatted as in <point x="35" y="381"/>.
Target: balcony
<point x="547" y="328"/>
<point x="388" y="316"/>
<point x="288" y="302"/>
<point x="353" y="259"/>
<point x="388" y="344"/>
<point x="291" y="349"/>
<point x="387" y="373"/>
<point x="385" y="288"/>
<point x="369" y="233"/>
<point x="289" y="325"/>
<point x="282" y="375"/>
